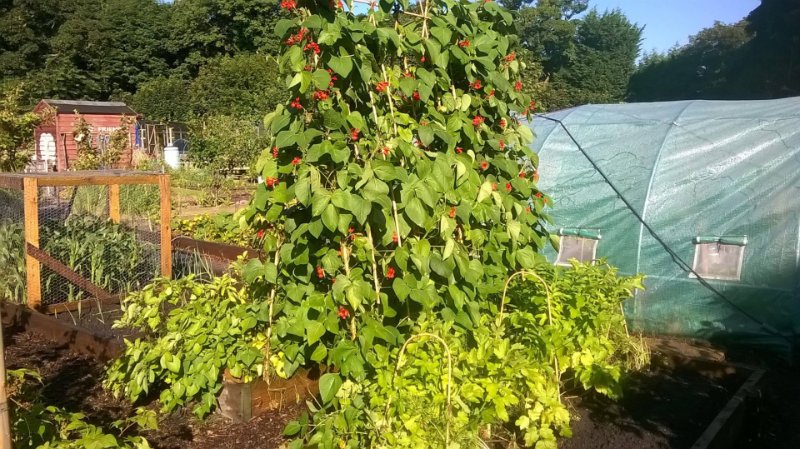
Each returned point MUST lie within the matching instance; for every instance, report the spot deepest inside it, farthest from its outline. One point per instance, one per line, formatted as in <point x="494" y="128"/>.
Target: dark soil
<point x="98" y="319"/>
<point x="665" y="407"/>
<point x="773" y="419"/>
<point x="74" y="381"/>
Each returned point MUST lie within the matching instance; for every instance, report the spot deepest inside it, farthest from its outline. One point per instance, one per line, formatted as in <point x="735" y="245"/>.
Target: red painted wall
<point x="66" y="147"/>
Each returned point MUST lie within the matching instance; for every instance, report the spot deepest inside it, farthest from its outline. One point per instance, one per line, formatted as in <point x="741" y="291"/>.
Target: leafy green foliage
<point x="192" y="332"/>
<point x="163" y="99"/>
<point x="37" y="425"/>
<point x="508" y="375"/>
<point x="220" y="228"/>
<point x="16" y="131"/>
<point x="243" y="86"/>
<point x="222" y="142"/>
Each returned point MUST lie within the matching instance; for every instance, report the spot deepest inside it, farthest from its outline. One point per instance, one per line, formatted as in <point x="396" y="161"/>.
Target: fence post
<point x="166" y="228"/>
<point x="32" y="266"/>
<point x="113" y="203"/>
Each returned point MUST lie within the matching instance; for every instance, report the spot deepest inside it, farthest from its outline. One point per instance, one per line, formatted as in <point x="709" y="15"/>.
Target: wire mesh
<point x="77" y="230"/>
<point x="12" y="246"/>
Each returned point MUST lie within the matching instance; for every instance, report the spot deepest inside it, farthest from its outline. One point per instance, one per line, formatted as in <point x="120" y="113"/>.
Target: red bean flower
<point x="494" y="186"/>
<point x="459" y="150"/>
<point x="508" y="187"/>
<point x="394" y="238"/>
<point x="343" y="313"/>
<point x="381" y="87"/>
<point x="260" y="234"/>
<point x="386" y="151"/>
<point x="296" y="160"/>
<point x="415" y="96"/>
<point x="390" y="273"/>
<point x="355" y="133"/>
<point x="478" y="120"/>
<point x="502" y="144"/>
<point x="464" y="43"/>
<point x="511" y="56"/>
<point x="289" y="5"/>
<point x="275" y="152"/>
<point x="312" y="46"/>
<point x="522" y="175"/>
<point x="536" y="176"/>
<point x="321" y="95"/>
<point x="538" y="194"/>
<point x="502" y="123"/>
<point x="296" y="103"/>
<point x="453" y="212"/>
<point x="518" y="86"/>
<point x="320" y="273"/>
<point x="475" y="84"/>
<point x="484" y="165"/>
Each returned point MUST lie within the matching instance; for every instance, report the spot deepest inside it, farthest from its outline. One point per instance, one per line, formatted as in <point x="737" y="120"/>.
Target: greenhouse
<point x="716" y="187"/>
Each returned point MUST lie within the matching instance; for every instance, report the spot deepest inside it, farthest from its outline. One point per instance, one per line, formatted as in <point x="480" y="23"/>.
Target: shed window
<point x="579" y="244"/>
<point x="719" y="257"/>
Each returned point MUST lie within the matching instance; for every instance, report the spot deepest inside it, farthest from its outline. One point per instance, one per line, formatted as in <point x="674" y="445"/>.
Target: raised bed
<point x="689" y="398"/>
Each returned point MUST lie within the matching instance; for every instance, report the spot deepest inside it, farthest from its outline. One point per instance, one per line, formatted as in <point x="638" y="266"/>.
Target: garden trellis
<point x="72" y="236"/>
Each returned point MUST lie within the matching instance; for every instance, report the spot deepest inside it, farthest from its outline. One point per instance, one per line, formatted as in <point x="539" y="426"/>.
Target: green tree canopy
<point x="245" y="85"/>
<point x="606" y="48"/>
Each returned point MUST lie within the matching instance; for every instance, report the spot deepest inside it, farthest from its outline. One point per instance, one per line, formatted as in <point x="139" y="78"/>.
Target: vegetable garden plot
<point x="82" y="235"/>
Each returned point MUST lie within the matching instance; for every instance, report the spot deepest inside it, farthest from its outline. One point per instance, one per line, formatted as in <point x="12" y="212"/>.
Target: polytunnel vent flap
<point x="719" y="258"/>
<point x="577" y="243"/>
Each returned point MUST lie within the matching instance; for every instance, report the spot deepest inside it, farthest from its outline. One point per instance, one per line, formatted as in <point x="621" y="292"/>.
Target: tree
<point x="708" y="67"/>
<point x="774" y="51"/>
<point x="223" y="143"/>
<point x="202" y="30"/>
<point x="245" y="85"/>
<point x="606" y="48"/>
<point x="16" y="130"/>
<point x="163" y="99"/>
<point x="547" y="31"/>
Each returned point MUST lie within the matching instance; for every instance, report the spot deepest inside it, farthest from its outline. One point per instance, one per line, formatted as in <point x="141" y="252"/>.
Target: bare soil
<point x="667" y="406"/>
<point x="73" y="382"/>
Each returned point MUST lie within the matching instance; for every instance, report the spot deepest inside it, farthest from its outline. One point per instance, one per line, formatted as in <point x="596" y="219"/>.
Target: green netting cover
<point x="726" y="172"/>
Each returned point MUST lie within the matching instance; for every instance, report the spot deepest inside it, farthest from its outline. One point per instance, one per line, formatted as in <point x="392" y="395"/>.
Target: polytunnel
<point x="717" y="182"/>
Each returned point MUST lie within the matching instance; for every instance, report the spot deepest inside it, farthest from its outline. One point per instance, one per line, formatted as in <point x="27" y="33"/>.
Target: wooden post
<point x="166" y="228"/>
<point x="5" y="424"/>
<point x="32" y="266"/>
<point x="113" y="203"/>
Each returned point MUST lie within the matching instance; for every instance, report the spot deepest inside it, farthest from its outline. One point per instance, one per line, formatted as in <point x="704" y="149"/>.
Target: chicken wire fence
<point x="90" y="248"/>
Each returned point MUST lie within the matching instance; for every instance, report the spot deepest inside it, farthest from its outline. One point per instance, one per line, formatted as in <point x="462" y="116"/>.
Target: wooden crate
<point x="241" y="401"/>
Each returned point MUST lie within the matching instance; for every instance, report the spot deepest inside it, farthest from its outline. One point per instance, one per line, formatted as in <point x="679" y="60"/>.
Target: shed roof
<point x="89" y="107"/>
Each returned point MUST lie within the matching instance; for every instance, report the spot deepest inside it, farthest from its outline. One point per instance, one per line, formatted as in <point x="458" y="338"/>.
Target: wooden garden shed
<point x="56" y="148"/>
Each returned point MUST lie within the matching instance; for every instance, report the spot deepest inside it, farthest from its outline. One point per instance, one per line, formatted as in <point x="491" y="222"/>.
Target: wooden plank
<point x="113" y="203"/>
<point x="32" y="268"/>
<point x="166" y="226"/>
<point x="67" y="273"/>
<point x="214" y="249"/>
<point x="84" y="304"/>
<point x="11" y="182"/>
<point x="724" y="430"/>
<point x="97" y="180"/>
<point x="63" y="334"/>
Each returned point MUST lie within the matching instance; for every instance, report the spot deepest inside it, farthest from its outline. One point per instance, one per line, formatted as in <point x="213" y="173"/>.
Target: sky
<point x="668" y="22"/>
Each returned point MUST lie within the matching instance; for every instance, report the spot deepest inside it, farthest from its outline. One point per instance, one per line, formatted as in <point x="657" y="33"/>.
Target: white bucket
<point x="172" y="157"/>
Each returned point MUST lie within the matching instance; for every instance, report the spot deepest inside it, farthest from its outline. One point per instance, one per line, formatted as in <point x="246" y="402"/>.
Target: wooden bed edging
<point x="241" y="402"/>
<point x="75" y="338"/>
<point x="214" y="249"/>
<point x="724" y="430"/>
